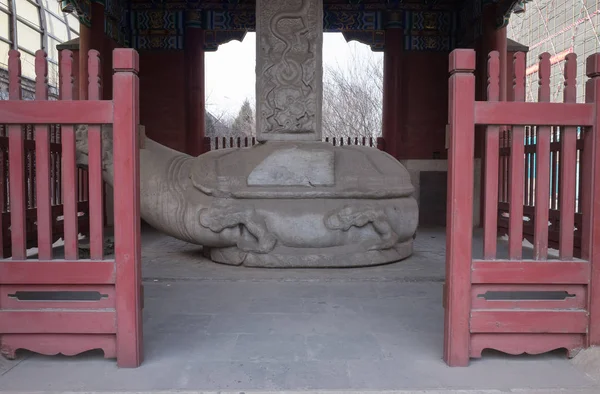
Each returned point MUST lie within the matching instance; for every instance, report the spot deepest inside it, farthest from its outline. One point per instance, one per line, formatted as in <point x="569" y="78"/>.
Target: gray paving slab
<point x="235" y="329"/>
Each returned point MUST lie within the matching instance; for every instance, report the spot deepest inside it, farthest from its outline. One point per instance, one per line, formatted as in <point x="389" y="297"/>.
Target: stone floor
<point x="228" y="329"/>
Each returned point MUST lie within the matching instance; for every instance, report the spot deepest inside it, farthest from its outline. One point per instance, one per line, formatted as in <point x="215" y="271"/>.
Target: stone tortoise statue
<point x="276" y="204"/>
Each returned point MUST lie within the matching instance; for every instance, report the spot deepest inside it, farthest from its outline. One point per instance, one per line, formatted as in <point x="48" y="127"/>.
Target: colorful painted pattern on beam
<point x="159" y="24"/>
<point x="116" y="21"/>
<point x="429" y="43"/>
<point x="352" y="20"/>
<point x="157" y="29"/>
<point x="419" y="22"/>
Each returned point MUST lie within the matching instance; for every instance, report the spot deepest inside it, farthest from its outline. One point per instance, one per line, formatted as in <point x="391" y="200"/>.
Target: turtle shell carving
<point x="303" y="170"/>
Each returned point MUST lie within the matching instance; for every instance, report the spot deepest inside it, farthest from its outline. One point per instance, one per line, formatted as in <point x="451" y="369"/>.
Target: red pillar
<point x="194" y="60"/>
<point x="392" y="94"/>
<point x="90" y="38"/>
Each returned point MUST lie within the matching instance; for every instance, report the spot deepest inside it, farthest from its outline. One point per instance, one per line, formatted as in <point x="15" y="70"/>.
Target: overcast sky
<point x="230" y="70"/>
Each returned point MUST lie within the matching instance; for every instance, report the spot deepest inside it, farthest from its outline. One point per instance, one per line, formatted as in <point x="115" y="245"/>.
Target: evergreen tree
<point x="243" y="125"/>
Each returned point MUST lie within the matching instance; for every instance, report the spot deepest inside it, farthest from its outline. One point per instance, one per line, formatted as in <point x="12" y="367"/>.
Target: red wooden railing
<point x="53" y="301"/>
<point x="503" y="300"/>
<point x="30" y="194"/>
<point x="214" y="143"/>
<point x="529" y="188"/>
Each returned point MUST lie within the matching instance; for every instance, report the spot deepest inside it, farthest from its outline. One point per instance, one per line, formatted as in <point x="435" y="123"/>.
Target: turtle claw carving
<point x="256" y="238"/>
<point x="359" y="216"/>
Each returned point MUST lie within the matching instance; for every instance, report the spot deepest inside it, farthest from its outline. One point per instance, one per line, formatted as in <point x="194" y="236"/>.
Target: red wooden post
<point x="517" y="173"/>
<point x="459" y="230"/>
<point x="69" y="168"/>
<point x="590" y="243"/>
<point x="216" y="143"/>
<point x="206" y="145"/>
<point x="16" y="157"/>
<point x="196" y="106"/>
<point x="392" y="99"/>
<point x="42" y="164"/>
<point x="542" y="177"/>
<point x="492" y="152"/>
<point x="127" y="207"/>
<point x="95" y="196"/>
<point x="568" y="166"/>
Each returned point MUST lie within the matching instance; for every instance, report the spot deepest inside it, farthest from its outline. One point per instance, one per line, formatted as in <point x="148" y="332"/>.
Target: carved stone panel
<point x="289" y="69"/>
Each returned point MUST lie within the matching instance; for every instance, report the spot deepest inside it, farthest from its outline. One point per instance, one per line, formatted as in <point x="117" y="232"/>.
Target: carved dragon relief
<point x="289" y="88"/>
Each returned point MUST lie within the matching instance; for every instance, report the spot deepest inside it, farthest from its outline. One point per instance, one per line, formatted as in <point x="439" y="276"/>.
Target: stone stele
<point x="291" y="200"/>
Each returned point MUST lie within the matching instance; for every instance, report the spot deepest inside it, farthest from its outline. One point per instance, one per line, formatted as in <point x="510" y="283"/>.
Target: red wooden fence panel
<point x="507" y="301"/>
<point x="53" y="301"/>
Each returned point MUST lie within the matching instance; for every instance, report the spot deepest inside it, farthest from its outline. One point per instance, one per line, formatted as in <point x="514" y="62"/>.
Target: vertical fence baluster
<point x="568" y="166"/>
<point x="517" y="173"/>
<point x="579" y="172"/>
<point x="16" y="157"/>
<point x="42" y="161"/>
<point x="4" y="234"/>
<point x="69" y="168"/>
<point x="95" y="163"/>
<point x="526" y="194"/>
<point x="542" y="167"/>
<point x="492" y="150"/>
<point x="558" y="163"/>
<point x="460" y="207"/>
<point x="127" y="207"/>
